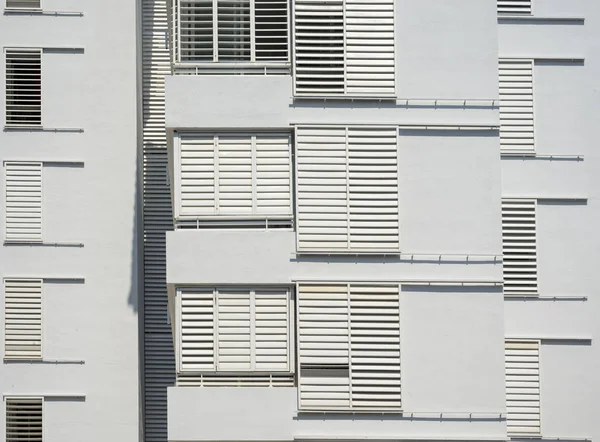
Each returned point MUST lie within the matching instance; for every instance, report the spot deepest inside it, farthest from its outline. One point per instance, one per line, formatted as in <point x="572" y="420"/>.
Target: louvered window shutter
<point x="347" y="186"/>
<point x="235" y="330"/>
<point x="197" y="330"/>
<point x="24" y="419"/>
<point x="232" y="31"/>
<point x="519" y="247"/>
<point x="23" y="201"/>
<point x="235" y="176"/>
<point x="23" y="87"/>
<point x="23" y="318"/>
<point x="344" y="47"/>
<point x="23" y="4"/>
<point x="514" y="6"/>
<point x="516" y="107"/>
<point x="349" y="346"/>
<point x="523" y="387"/>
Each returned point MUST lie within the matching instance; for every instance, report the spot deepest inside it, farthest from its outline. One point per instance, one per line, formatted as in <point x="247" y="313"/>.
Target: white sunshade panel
<point x="514" y="6"/>
<point x="23" y="318"/>
<point x="23" y="201"/>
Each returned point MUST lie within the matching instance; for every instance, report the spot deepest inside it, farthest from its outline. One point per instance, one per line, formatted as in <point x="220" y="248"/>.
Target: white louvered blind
<point x="347" y="189"/>
<point x="235" y="176"/>
<point x="514" y="6"/>
<point x="23" y="87"/>
<point x="344" y="47"/>
<point x="24" y="419"/>
<point x="233" y="330"/>
<point x="516" y="107"/>
<point x="23" y="318"/>
<point x="211" y="31"/>
<point x="23" y="201"/>
<point x="349" y="346"/>
<point x="519" y="247"/>
<point x="23" y="4"/>
<point x="523" y="387"/>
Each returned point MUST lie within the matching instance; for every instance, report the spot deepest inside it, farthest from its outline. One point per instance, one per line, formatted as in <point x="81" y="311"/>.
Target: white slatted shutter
<point x="23" y="318"/>
<point x="23" y="201"/>
<point x="197" y="330"/>
<point x="323" y="341"/>
<point x="519" y="247"/>
<point x="514" y="6"/>
<point x="523" y="387"/>
<point x="349" y="346"/>
<point x="233" y="30"/>
<point x="23" y="87"/>
<point x="234" y="331"/>
<point x="232" y="176"/>
<point x="344" y="47"/>
<point x="347" y="189"/>
<point x="375" y="346"/>
<point x="271" y="30"/>
<point x="272" y="330"/>
<point x="24" y="419"/>
<point x="516" y="107"/>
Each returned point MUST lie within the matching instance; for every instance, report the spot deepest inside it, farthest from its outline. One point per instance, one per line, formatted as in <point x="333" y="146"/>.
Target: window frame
<point x="9" y="398"/>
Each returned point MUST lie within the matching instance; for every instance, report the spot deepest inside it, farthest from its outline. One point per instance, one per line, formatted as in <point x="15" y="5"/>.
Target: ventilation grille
<point x="523" y="387"/>
<point x="349" y="347"/>
<point x="514" y="6"/>
<point x="23" y="87"/>
<point x="23" y="318"/>
<point x="24" y="419"/>
<point x="23" y="4"/>
<point x="347" y="184"/>
<point x="205" y="380"/>
<point x="235" y="330"/>
<point x="344" y="47"/>
<point x="516" y="107"/>
<point x="519" y="247"/>
<point x="230" y="176"/>
<point x="23" y="202"/>
<point x="242" y="31"/>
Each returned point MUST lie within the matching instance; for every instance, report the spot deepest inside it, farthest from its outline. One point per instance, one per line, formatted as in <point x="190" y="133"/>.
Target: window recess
<point x="23" y="4"/>
<point x="349" y="347"/>
<point x="344" y="48"/>
<point x="231" y="31"/>
<point x="23" y="87"/>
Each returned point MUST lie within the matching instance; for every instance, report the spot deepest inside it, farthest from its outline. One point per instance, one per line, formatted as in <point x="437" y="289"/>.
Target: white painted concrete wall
<point x="93" y="89"/>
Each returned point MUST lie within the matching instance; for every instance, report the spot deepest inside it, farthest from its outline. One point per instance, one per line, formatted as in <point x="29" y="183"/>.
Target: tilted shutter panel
<point x="24" y="419"/>
<point x="375" y="346"/>
<point x="273" y="174"/>
<point x="23" y="201"/>
<point x="197" y="189"/>
<point x="197" y="330"/>
<point x="519" y="247"/>
<point x="523" y="387"/>
<point x="23" y="87"/>
<point x="347" y="186"/>
<point x="271" y="30"/>
<point x="233" y="337"/>
<point x="23" y="318"/>
<point x="516" y="107"/>
<point x="319" y="47"/>
<point x="373" y="189"/>
<point x="323" y="346"/>
<point x="271" y="330"/>
<point x="235" y="175"/>
<point x="514" y="6"/>
<point x="195" y="26"/>
<point x="344" y="47"/>
<point x="370" y="47"/>
<point x="233" y="18"/>
<point x="23" y="4"/>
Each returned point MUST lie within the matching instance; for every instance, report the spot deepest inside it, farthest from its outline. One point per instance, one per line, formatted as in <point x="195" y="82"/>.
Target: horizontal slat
<point x="523" y="387"/>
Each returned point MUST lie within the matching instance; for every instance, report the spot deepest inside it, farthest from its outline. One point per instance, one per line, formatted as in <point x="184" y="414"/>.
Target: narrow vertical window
<point x="23" y="87"/>
<point x="24" y="419"/>
<point x="23" y="199"/>
<point x="23" y="319"/>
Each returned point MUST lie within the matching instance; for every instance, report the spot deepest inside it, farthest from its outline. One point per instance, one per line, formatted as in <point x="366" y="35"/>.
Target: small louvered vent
<point x="347" y="186"/>
<point x="23" y="201"/>
<point x="229" y="176"/>
<point x="23" y="4"/>
<point x="519" y="247"/>
<point x="241" y="31"/>
<point x="349" y="346"/>
<point x="232" y="330"/>
<point x="523" y="387"/>
<point x="516" y="107"/>
<point x="24" y="419"/>
<point x="344" y="47"/>
<point x="514" y="6"/>
<point x="23" y="87"/>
